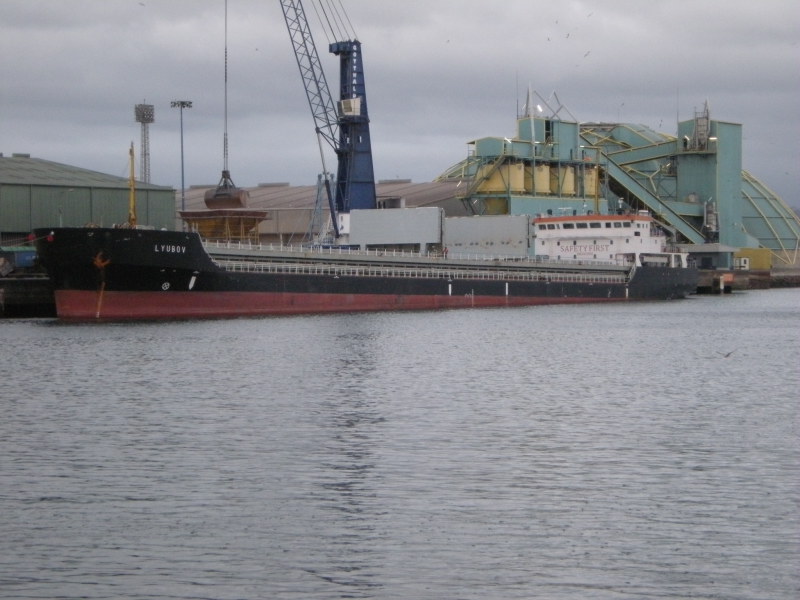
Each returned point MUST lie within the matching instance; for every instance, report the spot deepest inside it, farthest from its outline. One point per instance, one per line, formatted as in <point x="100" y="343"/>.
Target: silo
<point x="591" y="182"/>
<point x="515" y="175"/>
<point x="492" y="179"/>
<point x="562" y="181"/>
<point x="541" y="179"/>
<point x="505" y="178"/>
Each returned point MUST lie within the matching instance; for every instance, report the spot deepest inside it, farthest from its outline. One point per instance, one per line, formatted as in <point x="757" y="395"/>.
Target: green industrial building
<point x="693" y="183"/>
<point x="39" y="193"/>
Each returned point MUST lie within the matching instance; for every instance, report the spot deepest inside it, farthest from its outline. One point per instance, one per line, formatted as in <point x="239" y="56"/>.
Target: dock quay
<point x="29" y="296"/>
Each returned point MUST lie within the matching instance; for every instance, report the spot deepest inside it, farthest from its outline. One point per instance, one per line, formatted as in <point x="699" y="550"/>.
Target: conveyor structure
<point x="692" y="182"/>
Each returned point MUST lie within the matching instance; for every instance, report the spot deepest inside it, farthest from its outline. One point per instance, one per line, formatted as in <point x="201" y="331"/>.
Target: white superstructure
<point x="631" y="238"/>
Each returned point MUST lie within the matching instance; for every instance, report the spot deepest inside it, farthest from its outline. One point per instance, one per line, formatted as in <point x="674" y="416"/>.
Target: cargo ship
<point x="134" y="273"/>
<point x="547" y="164"/>
<point x="375" y="256"/>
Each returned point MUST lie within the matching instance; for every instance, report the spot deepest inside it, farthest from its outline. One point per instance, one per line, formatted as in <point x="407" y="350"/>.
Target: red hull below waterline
<point x="78" y="305"/>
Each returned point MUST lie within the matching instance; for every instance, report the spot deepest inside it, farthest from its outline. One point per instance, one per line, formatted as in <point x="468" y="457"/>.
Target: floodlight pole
<point x="145" y="114"/>
<point x="181" y="104"/>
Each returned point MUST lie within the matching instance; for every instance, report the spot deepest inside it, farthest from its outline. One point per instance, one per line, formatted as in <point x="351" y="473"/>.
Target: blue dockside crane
<point x="343" y="125"/>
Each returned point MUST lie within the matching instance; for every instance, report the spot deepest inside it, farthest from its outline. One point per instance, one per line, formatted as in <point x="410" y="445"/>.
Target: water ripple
<point x="634" y="451"/>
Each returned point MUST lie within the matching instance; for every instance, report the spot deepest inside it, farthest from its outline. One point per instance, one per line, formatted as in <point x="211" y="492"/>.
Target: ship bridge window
<point x="618" y="224"/>
<point x="594" y="225"/>
<point x="608" y="225"/>
<point x="569" y="225"/>
<point x="551" y="226"/>
<point x="542" y="227"/>
<point x="626" y="224"/>
<point x="583" y="226"/>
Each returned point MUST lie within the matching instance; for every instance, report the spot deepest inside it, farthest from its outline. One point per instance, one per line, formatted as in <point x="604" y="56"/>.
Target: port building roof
<point x="284" y="196"/>
<point x="22" y="169"/>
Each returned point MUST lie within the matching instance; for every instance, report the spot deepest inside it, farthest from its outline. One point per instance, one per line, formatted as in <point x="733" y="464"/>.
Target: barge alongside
<point x="129" y="273"/>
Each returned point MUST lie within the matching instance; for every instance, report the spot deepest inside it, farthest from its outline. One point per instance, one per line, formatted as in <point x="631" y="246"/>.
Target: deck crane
<point x="343" y="125"/>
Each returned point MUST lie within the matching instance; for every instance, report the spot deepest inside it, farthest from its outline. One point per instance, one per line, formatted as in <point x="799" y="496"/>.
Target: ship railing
<point x="402" y="254"/>
<point x="417" y="272"/>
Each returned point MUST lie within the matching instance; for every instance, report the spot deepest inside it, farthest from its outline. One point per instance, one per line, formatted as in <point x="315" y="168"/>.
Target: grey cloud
<point x="439" y="73"/>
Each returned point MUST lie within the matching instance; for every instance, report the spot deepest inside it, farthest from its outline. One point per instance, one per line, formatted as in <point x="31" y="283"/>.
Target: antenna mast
<point x="131" y="193"/>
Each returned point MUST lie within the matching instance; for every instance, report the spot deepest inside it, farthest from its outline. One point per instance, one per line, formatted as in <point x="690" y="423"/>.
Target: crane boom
<point x="319" y="97"/>
<point x="343" y="125"/>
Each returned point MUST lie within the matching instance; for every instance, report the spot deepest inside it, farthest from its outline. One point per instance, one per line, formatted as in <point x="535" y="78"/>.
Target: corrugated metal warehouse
<point x="40" y="193"/>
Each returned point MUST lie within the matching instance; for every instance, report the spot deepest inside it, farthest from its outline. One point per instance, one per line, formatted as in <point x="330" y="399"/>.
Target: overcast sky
<point x="439" y="74"/>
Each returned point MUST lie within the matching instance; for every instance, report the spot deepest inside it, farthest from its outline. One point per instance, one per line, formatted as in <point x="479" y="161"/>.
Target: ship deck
<point x="247" y="258"/>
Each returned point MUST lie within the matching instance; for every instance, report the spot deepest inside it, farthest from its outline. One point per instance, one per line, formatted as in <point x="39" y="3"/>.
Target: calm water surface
<point x="564" y="452"/>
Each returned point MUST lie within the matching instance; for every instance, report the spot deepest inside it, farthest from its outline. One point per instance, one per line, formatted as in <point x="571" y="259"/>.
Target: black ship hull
<point x="118" y="274"/>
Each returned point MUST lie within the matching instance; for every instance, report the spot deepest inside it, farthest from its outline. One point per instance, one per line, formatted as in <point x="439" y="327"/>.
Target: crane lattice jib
<point x="344" y="125"/>
<point x="317" y="92"/>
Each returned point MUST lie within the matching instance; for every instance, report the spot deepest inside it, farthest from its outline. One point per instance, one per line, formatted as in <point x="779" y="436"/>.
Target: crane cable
<point x="335" y="22"/>
<point x="346" y="17"/>
<point x="225" y="119"/>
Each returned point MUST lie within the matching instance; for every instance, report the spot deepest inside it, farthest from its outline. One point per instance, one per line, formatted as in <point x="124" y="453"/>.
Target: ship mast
<point x="131" y="193"/>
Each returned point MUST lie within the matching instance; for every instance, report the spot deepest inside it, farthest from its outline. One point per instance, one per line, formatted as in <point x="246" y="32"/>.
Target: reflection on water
<point x="644" y="450"/>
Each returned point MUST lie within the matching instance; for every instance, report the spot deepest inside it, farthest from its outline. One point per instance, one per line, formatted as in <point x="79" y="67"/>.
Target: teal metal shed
<point x="40" y="193"/>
